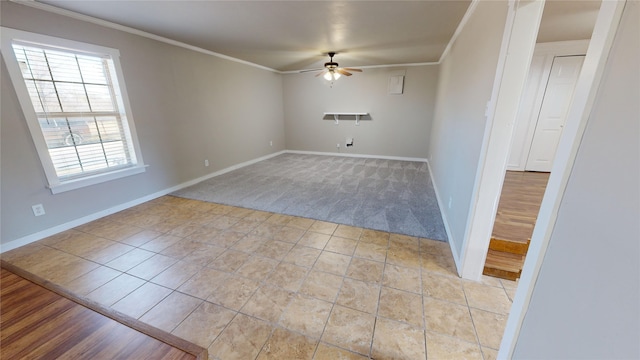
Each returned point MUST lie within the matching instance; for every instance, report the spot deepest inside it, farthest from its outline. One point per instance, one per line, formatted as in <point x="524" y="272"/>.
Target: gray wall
<point x="466" y="82"/>
<point x="585" y="302"/>
<point x="187" y="107"/>
<point x="400" y="124"/>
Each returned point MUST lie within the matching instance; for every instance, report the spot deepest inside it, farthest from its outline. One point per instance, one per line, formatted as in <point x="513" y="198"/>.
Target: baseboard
<point x="445" y="220"/>
<point x="401" y="158"/>
<point x="112" y="210"/>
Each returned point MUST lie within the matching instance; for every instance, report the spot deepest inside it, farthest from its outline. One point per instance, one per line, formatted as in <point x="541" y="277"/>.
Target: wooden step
<point x="508" y="246"/>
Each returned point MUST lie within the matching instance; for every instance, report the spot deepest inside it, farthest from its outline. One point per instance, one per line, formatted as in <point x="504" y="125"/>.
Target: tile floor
<point x="255" y="285"/>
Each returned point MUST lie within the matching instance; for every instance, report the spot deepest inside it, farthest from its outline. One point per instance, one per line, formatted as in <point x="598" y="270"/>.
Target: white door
<point x="553" y="112"/>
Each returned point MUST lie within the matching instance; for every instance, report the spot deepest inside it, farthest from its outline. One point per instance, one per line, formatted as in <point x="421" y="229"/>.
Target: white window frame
<point x="55" y="184"/>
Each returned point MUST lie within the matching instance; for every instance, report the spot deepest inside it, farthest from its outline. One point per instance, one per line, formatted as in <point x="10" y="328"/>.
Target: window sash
<point x="81" y="145"/>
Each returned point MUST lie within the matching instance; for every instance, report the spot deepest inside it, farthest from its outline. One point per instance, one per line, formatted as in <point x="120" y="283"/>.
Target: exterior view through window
<point x="78" y="106"/>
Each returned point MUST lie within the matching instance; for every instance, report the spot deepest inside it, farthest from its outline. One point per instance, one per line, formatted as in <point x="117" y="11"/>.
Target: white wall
<point x="187" y="107"/>
<point x="399" y="125"/>
<point x="465" y="86"/>
<point x="585" y="302"/>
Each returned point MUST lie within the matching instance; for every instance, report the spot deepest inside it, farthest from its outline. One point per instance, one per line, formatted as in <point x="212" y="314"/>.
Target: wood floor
<point x="518" y="209"/>
<point x="37" y="323"/>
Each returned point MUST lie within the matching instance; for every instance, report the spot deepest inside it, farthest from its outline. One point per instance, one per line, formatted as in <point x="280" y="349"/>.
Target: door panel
<point x="553" y="112"/>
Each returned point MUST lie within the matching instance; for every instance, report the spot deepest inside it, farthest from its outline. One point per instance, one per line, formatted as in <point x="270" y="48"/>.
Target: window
<point x="73" y="98"/>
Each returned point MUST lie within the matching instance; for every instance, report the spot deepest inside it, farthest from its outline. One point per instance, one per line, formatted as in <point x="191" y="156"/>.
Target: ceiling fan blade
<point x="353" y="69"/>
<point x="310" y="70"/>
<point x="321" y="72"/>
<point x="343" y="72"/>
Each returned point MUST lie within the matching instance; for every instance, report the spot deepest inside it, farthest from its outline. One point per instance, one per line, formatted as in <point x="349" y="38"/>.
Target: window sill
<point x="95" y="179"/>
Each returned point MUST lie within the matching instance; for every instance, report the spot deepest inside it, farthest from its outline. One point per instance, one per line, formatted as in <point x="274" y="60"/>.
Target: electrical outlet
<point x="38" y="210"/>
<point x="338" y="145"/>
<point x="271" y="143"/>
<point x="450" y="201"/>
<point x="206" y="163"/>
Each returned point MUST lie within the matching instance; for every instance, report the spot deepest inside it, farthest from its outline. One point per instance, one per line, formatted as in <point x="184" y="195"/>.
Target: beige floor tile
<point x="109" y="253"/>
<point x="375" y="237"/>
<point x="332" y="263"/>
<point x="441" y="264"/>
<point x="227" y="238"/>
<point x="53" y="240"/>
<point x="223" y="222"/>
<point x="268" y="303"/>
<point x="396" y="340"/>
<point x="92" y="280"/>
<point x="176" y="274"/>
<point x="490" y="281"/>
<point x="359" y="295"/>
<point x="314" y="240"/>
<point x="404" y="241"/>
<point x="289" y="234"/>
<point x="485" y="297"/>
<point x="287" y="276"/>
<point x="403" y="257"/>
<point x="511" y="293"/>
<point x="401" y="306"/>
<point x="300" y="223"/>
<point x="302" y="256"/>
<point x="365" y="270"/>
<point x="443" y="287"/>
<point x="171" y="311"/>
<point x="257" y="268"/>
<point x="233" y="292"/>
<point x="258" y="215"/>
<point x="449" y="319"/>
<point x="204" y="256"/>
<point x="250" y="243"/>
<point x="160" y="243"/>
<point x="129" y="260"/>
<point x="205" y="235"/>
<point x="239" y="212"/>
<point x="84" y="245"/>
<point x="321" y="285"/>
<point x="489" y="354"/>
<point x="443" y="347"/>
<point x="151" y="267"/>
<point x="284" y="344"/>
<point x="341" y="245"/>
<point x="435" y="247"/>
<point x="371" y="251"/>
<point x="323" y="227"/>
<point x="229" y="261"/>
<point x="67" y="270"/>
<point x="141" y="300"/>
<point x="244" y="226"/>
<point x="274" y="249"/>
<point x="268" y="231"/>
<point x="306" y="315"/>
<point x="183" y="248"/>
<point x="328" y="352"/>
<point x="141" y="238"/>
<point x="349" y="232"/>
<point x="278" y="219"/>
<point x="349" y="329"/>
<point x="242" y="339"/>
<point x="116" y="231"/>
<point x="402" y="278"/>
<point x="203" y="283"/>
<point x="116" y="289"/>
<point x="489" y="326"/>
<point x="185" y="229"/>
<point x="204" y="324"/>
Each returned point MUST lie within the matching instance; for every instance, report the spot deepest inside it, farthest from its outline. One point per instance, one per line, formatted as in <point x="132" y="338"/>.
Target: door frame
<point x="589" y="80"/>
<point x="548" y="51"/>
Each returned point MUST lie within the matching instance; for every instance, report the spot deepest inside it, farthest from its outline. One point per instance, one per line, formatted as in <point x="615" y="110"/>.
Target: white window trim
<point x="8" y="35"/>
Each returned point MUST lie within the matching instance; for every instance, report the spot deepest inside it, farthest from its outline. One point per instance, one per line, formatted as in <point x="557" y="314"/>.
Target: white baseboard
<point x="112" y="210"/>
<point x="356" y="155"/>
<point x="445" y="220"/>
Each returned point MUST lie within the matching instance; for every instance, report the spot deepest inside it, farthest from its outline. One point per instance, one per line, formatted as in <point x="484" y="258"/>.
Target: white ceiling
<point x="296" y="35"/>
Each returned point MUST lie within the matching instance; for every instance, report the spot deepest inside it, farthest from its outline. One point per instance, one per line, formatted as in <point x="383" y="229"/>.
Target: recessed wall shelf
<point x="355" y="115"/>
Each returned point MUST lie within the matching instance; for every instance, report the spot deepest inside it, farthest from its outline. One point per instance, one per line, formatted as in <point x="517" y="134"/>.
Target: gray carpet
<point x="389" y="195"/>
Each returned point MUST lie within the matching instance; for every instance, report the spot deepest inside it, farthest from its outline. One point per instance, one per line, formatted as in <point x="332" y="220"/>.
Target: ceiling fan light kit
<point x="332" y="71"/>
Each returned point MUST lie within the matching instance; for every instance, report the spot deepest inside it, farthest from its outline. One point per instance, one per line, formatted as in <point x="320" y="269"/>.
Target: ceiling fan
<point x="331" y="70"/>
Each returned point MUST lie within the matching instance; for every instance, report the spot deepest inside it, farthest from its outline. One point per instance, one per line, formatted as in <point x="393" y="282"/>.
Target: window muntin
<point x="75" y="101"/>
<point x="89" y="136"/>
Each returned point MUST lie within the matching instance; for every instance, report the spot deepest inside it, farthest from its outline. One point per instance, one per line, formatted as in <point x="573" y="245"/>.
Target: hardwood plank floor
<point x="36" y="323"/>
<point x="516" y="217"/>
